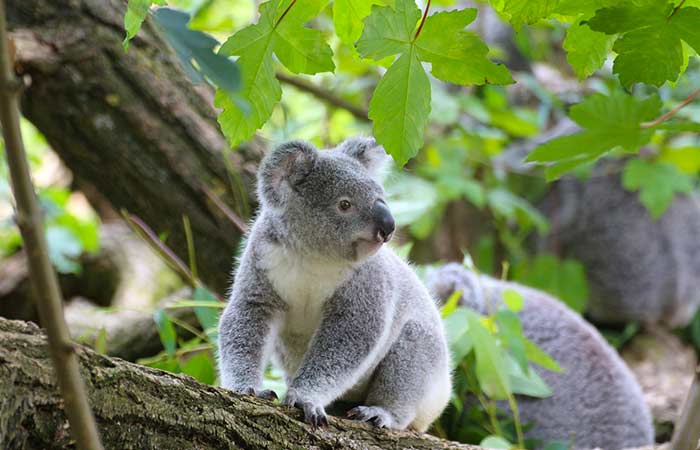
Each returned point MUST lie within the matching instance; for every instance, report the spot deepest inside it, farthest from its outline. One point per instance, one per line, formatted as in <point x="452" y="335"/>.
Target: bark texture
<point x="141" y="408"/>
<point x="132" y="124"/>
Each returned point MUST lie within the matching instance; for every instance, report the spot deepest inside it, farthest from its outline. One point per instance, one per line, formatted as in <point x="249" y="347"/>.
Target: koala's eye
<point x="344" y="205"/>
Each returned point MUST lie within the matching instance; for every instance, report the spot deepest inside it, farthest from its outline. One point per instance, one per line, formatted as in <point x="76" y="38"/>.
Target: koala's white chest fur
<point x="305" y="285"/>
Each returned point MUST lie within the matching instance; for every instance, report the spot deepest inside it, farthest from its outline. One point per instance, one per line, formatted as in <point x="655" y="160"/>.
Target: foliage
<point x="71" y="228"/>
<point x="493" y="361"/>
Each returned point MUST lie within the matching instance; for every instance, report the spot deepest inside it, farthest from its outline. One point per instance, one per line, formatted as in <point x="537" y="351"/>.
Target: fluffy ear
<point x="370" y="154"/>
<point x="282" y="169"/>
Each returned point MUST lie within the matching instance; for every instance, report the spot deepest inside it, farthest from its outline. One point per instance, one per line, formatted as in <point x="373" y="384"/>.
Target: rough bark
<point x="139" y="407"/>
<point x="132" y="124"/>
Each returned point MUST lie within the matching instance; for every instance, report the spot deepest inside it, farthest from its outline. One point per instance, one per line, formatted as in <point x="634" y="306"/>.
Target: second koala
<point x="318" y="292"/>
<point x="596" y="401"/>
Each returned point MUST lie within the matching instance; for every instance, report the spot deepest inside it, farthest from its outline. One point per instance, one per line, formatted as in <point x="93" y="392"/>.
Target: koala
<point x="596" y="401"/>
<point x="318" y="293"/>
<point x="638" y="268"/>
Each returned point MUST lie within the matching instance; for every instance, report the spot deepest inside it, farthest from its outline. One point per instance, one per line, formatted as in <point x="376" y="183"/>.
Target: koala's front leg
<point x="245" y="333"/>
<point x="355" y="321"/>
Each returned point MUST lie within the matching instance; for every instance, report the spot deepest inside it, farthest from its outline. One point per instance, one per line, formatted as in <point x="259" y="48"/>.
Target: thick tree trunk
<point x="132" y="124"/>
<point x="138" y="407"/>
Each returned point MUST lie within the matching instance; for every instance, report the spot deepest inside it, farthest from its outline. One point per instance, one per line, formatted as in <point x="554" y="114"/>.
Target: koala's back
<point x="638" y="269"/>
<point x="596" y="400"/>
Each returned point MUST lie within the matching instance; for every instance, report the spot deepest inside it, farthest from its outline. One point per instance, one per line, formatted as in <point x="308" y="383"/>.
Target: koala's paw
<point x="376" y="415"/>
<point x="314" y="413"/>
<point x="266" y="394"/>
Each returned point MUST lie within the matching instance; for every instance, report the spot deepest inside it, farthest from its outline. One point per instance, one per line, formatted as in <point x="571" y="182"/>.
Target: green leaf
<point x="491" y="370"/>
<point x="458" y="56"/>
<point x="520" y="12"/>
<point x="506" y="204"/>
<point x="586" y="50"/>
<point x="513" y="300"/>
<point x="300" y="49"/>
<point x="564" y="279"/>
<point x="136" y="11"/>
<point x="511" y="330"/>
<point x="557" y="446"/>
<point x="457" y="332"/>
<point x="348" y="15"/>
<point x="495" y="442"/>
<point x="101" y="341"/>
<point x="650" y="49"/>
<point x="201" y="367"/>
<point x="538" y="356"/>
<point x="166" y="330"/>
<point x="64" y="249"/>
<point x="526" y="382"/>
<point x="400" y="105"/>
<point x="686" y="159"/>
<point x="657" y="184"/>
<point x="608" y="122"/>
<point x="451" y="304"/>
<point x="207" y="316"/>
<point x="191" y="45"/>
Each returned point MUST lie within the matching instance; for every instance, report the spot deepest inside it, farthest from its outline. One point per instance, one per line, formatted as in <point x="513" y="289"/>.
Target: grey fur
<point x="638" y="268"/>
<point x="596" y="400"/>
<point x="316" y="291"/>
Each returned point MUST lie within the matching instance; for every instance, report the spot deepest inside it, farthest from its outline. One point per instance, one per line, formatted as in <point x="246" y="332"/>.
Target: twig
<point x="44" y="281"/>
<point x="687" y="433"/>
<point x="672" y="112"/>
<point x="227" y="212"/>
<point x="324" y="95"/>
<point x="169" y="256"/>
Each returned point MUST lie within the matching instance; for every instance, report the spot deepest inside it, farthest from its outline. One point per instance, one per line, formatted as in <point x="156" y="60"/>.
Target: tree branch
<point x="686" y="435"/>
<point x="139" y="407"/>
<point x="324" y="95"/>
<point x="44" y="281"/>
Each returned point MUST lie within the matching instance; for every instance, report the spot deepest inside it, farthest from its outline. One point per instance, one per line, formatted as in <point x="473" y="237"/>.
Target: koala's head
<point x="330" y="201"/>
<point x="444" y="281"/>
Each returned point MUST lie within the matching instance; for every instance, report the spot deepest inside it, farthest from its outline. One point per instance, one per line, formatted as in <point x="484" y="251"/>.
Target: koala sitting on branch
<point x="318" y="292"/>
<point x="596" y="401"/>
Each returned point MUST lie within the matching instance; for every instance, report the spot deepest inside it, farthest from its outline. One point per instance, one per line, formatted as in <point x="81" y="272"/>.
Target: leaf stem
<point x="675" y="10"/>
<point x="672" y="112"/>
<point x="285" y="12"/>
<point x="422" y="21"/>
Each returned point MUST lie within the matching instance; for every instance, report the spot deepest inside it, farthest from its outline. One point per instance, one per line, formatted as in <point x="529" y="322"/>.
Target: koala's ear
<point x="370" y="154"/>
<point x="282" y="169"/>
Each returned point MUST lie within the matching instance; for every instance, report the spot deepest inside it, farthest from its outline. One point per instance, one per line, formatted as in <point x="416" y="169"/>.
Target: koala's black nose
<point x="383" y="221"/>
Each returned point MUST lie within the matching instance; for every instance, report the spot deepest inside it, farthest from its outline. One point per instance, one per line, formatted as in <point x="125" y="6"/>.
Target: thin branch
<point x="44" y="281"/>
<point x="422" y="21"/>
<point x="687" y="431"/>
<point x="672" y="112"/>
<point x="169" y="256"/>
<point x="324" y="95"/>
<point x="227" y="212"/>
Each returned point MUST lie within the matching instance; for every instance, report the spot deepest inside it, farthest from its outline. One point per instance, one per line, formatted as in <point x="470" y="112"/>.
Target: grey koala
<point x="317" y="291"/>
<point x="596" y="401"/>
<point x="638" y="268"/>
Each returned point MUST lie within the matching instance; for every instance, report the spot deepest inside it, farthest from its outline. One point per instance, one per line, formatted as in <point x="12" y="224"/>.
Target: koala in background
<point x="638" y="268"/>
<point x="318" y="292"/>
<point x="596" y="401"/>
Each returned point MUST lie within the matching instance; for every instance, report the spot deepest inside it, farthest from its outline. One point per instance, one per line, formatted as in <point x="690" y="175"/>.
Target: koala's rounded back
<point x="638" y="268"/>
<point x="596" y="400"/>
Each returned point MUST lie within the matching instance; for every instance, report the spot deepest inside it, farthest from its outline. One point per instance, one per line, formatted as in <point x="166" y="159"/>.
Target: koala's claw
<point x="267" y="394"/>
<point x="376" y="415"/>
<point x="314" y="414"/>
